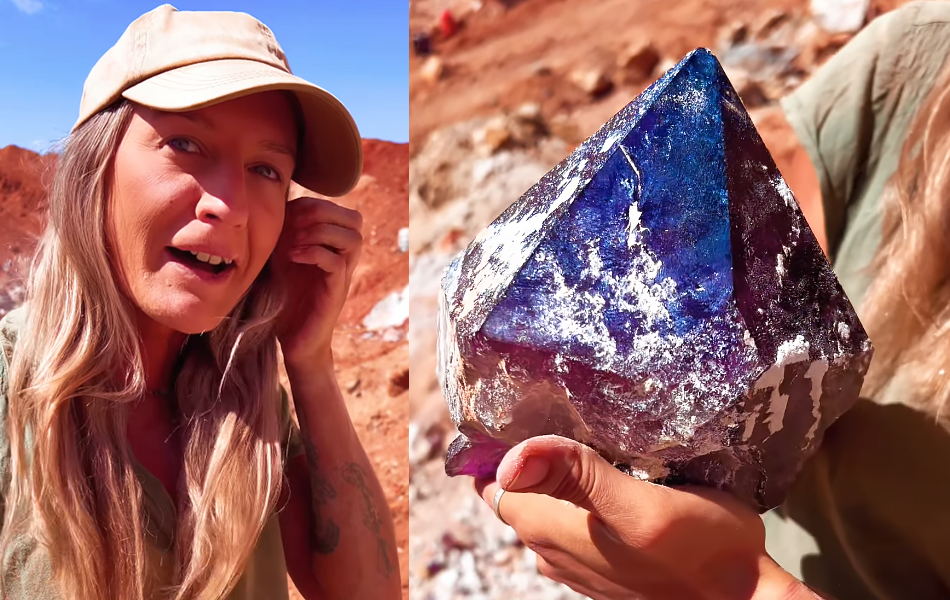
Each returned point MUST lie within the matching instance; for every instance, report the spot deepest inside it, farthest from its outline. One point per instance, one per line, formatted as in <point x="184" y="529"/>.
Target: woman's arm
<point x="337" y="513"/>
<point x="337" y="521"/>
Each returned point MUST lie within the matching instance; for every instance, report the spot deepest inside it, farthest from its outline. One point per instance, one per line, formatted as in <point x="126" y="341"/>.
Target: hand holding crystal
<point x="610" y="536"/>
<point x="317" y="253"/>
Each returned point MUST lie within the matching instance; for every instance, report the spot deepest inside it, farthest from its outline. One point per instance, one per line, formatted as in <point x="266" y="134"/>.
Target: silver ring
<point x="495" y="502"/>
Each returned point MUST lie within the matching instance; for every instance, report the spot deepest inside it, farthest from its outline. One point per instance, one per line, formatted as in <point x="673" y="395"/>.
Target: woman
<point x="147" y="448"/>
<point x="867" y="517"/>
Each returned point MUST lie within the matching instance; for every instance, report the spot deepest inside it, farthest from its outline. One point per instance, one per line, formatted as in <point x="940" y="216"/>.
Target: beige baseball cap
<point x="177" y="61"/>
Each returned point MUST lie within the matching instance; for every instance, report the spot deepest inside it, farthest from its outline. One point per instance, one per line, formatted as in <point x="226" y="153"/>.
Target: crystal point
<point x="659" y="297"/>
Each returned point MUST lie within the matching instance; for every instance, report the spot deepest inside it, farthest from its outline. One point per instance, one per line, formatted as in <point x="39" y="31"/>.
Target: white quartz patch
<point x="505" y="247"/>
<point x="844" y="332"/>
<point x="783" y="190"/>
<point x="789" y="352"/>
<point x="816" y="373"/>
<point x="634" y="226"/>
<point x="612" y="139"/>
<point x="792" y="351"/>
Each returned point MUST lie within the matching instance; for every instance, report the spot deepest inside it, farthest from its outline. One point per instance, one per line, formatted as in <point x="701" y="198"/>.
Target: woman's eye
<point x="268" y="172"/>
<point x="184" y="145"/>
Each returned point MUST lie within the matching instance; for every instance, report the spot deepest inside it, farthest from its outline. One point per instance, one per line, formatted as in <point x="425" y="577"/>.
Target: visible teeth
<point x="210" y="258"/>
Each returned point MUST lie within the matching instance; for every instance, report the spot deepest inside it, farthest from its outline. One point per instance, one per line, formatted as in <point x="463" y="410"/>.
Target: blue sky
<point x="356" y="49"/>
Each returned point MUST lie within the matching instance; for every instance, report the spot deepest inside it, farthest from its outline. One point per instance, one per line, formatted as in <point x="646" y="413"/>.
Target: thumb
<point x="562" y="468"/>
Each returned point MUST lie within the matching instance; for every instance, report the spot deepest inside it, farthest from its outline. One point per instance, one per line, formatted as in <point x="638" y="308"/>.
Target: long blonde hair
<point x="75" y="375"/>
<point x="907" y="308"/>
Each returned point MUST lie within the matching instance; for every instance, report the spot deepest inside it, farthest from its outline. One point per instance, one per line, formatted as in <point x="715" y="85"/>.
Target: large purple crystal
<point x="659" y="297"/>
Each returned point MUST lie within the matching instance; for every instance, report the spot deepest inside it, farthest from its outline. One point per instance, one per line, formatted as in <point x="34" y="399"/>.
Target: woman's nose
<point x="224" y="198"/>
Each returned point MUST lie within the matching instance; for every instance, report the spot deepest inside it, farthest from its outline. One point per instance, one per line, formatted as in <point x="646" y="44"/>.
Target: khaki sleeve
<point x="844" y="113"/>
<point x="291" y="441"/>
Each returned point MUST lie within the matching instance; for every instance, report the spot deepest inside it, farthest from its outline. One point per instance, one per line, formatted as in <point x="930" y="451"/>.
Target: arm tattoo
<point x="354" y="475"/>
<point x="325" y="534"/>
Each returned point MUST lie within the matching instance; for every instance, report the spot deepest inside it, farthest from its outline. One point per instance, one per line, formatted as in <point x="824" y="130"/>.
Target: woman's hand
<point x="316" y="255"/>
<point x="610" y="536"/>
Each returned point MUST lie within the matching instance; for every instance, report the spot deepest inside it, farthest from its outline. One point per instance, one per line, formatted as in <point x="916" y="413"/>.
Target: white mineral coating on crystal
<point x="506" y="246"/>
<point x="816" y="373"/>
<point x="792" y="351"/>
<point x="789" y="352"/>
<point x="612" y="139"/>
<point x="634" y="226"/>
<point x="782" y="188"/>
<point x="844" y="332"/>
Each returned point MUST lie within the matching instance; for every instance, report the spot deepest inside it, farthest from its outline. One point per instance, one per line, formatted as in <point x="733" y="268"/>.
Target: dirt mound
<point x="23" y="174"/>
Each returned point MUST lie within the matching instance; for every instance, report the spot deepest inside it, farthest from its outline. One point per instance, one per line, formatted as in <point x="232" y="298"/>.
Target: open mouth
<point x="201" y="262"/>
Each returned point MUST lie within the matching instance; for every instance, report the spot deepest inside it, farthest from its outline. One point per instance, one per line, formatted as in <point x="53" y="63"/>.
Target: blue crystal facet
<point x="659" y="296"/>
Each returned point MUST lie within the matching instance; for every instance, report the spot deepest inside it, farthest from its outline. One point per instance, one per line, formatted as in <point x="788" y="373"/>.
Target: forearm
<point x="352" y="536"/>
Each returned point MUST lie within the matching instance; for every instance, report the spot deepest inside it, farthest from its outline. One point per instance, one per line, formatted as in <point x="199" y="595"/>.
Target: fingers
<point x="315" y="228"/>
<point x="565" y="469"/>
<point x="309" y="211"/>
<point x="342" y="239"/>
<point x="326" y="259"/>
<point x="575" y="547"/>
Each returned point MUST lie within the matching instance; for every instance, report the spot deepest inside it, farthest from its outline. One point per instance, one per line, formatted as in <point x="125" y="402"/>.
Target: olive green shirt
<point x="869" y="516"/>
<point x="26" y="566"/>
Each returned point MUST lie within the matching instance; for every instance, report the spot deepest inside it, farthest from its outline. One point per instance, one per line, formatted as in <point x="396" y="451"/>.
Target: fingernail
<point x="531" y="473"/>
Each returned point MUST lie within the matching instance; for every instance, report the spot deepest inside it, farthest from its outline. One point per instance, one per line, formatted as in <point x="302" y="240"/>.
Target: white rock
<point x="838" y="16"/>
<point x="391" y="311"/>
<point x="403" y="239"/>
<point x="432" y="69"/>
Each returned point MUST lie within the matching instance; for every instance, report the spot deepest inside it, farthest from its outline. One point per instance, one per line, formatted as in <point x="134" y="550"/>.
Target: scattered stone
<point x="749" y="90"/>
<point x="762" y="62"/>
<point x="460" y="537"/>
<point x="448" y="25"/>
<point x="840" y="16"/>
<point x="768" y="23"/>
<point x="432" y="70"/>
<point x="353" y="385"/>
<point x="523" y="128"/>
<point x="637" y="61"/>
<point x="683" y="322"/>
<point x="422" y="44"/>
<point x="563" y="127"/>
<point x="449" y="243"/>
<point x="663" y="67"/>
<point x="393" y="335"/>
<point x="398" y="382"/>
<point x="592" y="80"/>
<point x="402" y="240"/>
<point x="494" y="136"/>
<point x="731" y="34"/>
<point x="540" y="69"/>
<point x="391" y="311"/>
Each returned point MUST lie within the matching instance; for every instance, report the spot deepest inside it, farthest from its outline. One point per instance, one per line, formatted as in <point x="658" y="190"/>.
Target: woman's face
<point x="197" y="205"/>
